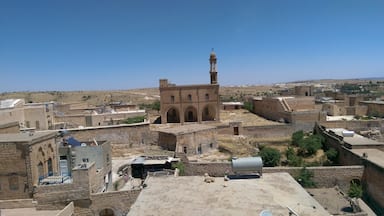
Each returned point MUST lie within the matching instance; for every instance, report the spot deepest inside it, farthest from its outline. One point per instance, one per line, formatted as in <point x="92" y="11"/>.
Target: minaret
<point x="213" y="71"/>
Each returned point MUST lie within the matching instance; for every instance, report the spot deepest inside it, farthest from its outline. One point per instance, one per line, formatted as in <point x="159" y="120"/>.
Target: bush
<point x="355" y="190"/>
<point x="180" y="166"/>
<point x="271" y="157"/>
<point x="292" y="158"/>
<point x="133" y="120"/>
<point x="248" y="106"/>
<point x="305" y="178"/>
<point x="331" y="155"/>
<point x="309" y="145"/>
<point x="297" y="137"/>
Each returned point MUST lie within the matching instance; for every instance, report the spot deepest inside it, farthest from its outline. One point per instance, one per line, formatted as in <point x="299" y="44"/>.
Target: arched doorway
<point x="173" y="116"/>
<point x="208" y="113"/>
<point x="190" y="114"/>
<point x="106" y="212"/>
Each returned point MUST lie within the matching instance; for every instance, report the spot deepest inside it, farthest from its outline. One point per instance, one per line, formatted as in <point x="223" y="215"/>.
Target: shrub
<point x="180" y="166"/>
<point x="355" y="190"/>
<point x="292" y="158"/>
<point x="331" y="155"/>
<point x="271" y="157"/>
<point x="133" y="120"/>
<point x="305" y="178"/>
<point x="309" y="145"/>
<point x="297" y="137"/>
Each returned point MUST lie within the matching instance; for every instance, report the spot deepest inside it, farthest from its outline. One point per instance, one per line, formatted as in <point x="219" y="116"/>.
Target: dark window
<point x="85" y="160"/>
<point x="13" y="183"/>
<point x="206" y="96"/>
<point x="211" y="145"/>
<point x="185" y="149"/>
<point x="172" y="99"/>
<point x="189" y="97"/>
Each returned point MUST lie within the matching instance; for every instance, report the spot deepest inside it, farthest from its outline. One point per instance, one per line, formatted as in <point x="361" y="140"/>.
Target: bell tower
<point x="213" y="70"/>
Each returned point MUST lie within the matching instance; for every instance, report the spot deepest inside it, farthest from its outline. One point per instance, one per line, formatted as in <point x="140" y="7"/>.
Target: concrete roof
<point x="185" y="129"/>
<point x="356" y="139"/>
<point x="25" y="137"/>
<point x="374" y="155"/>
<point x="190" y="195"/>
<point x="9" y="103"/>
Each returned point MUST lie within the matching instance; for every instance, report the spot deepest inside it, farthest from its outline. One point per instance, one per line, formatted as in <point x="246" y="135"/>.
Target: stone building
<point x="31" y="115"/>
<point x="288" y="109"/>
<point x="191" y="103"/>
<point x="188" y="139"/>
<point x="25" y="159"/>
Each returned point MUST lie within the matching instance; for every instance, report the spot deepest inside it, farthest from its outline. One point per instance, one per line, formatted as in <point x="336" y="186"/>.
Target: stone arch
<point x="107" y="212"/>
<point x="190" y="114"/>
<point x="208" y="113"/>
<point x="173" y="115"/>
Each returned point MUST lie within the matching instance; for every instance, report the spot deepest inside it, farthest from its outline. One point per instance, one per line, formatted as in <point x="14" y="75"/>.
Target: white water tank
<point x="247" y="165"/>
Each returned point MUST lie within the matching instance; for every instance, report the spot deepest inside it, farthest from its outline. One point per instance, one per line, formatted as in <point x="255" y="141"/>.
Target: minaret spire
<point x="213" y="69"/>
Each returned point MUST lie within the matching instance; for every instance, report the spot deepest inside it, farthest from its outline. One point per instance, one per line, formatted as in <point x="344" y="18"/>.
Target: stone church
<point x="191" y="103"/>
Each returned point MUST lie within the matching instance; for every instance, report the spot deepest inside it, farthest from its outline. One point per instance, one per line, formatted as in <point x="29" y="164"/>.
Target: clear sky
<point x="107" y="45"/>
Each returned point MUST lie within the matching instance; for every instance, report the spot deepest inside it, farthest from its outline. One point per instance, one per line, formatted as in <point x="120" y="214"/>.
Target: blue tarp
<point x="73" y="142"/>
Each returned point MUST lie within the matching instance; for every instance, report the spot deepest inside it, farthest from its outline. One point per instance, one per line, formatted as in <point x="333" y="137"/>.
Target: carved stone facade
<point x="190" y="103"/>
<point x="25" y="158"/>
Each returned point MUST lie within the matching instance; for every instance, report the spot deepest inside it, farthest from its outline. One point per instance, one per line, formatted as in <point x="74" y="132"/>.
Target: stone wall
<point x="373" y="185"/>
<point x="356" y="125"/>
<point x="120" y="201"/>
<point x="69" y="210"/>
<point x="17" y="203"/>
<point x="323" y="176"/>
<point x="7" y="128"/>
<point x="133" y="135"/>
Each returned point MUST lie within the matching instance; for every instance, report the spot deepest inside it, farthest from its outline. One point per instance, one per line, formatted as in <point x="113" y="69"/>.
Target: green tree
<point x="271" y="157"/>
<point x="156" y="105"/>
<point x="305" y="178"/>
<point x="355" y="190"/>
<point x="297" y="137"/>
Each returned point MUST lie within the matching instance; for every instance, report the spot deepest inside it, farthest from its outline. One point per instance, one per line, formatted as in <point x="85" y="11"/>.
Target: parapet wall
<point x="132" y="135"/>
<point x="329" y="176"/>
<point x="17" y="203"/>
<point x="120" y="201"/>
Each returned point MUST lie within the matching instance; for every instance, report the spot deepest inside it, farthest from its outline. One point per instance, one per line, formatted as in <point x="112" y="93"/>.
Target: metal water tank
<point x="248" y="164"/>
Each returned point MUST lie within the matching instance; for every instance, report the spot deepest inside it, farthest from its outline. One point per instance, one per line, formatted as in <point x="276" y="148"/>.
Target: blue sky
<point x="107" y="45"/>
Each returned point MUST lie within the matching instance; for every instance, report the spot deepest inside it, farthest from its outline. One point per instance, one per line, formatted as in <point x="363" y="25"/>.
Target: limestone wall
<point x="120" y="201"/>
<point x="16" y="203"/>
<point x="132" y="135"/>
<point x="323" y="176"/>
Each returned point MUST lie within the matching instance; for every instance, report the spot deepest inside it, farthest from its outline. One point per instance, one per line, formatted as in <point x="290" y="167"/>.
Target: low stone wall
<point x="133" y="135"/>
<point x="69" y="210"/>
<point x="329" y="176"/>
<point x="120" y="201"/>
<point x="17" y="203"/>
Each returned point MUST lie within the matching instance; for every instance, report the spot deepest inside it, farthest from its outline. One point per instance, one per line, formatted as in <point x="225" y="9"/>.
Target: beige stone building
<point x="25" y="159"/>
<point x="189" y="139"/>
<point x="191" y="103"/>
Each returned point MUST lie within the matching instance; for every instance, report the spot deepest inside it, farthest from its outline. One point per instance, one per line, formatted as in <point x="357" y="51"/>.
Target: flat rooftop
<point x="190" y="195"/>
<point x="25" y="137"/>
<point x="185" y="129"/>
<point x="374" y="155"/>
<point x="356" y="139"/>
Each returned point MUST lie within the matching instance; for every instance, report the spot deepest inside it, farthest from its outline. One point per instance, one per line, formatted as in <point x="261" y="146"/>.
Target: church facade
<point x="191" y="103"/>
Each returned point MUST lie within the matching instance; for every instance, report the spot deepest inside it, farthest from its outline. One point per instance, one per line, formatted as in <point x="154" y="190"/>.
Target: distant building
<point x="288" y="109"/>
<point x="191" y="103"/>
<point x="26" y="158"/>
